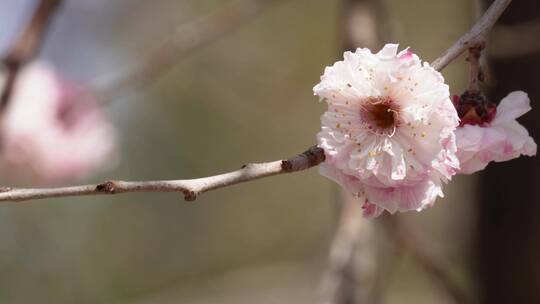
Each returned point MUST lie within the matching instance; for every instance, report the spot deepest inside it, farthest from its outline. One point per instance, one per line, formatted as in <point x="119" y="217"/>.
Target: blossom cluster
<point x="392" y="135"/>
<point x="53" y="130"/>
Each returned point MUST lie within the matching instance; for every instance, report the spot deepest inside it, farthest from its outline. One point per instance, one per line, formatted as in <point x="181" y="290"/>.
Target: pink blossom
<point x="388" y="133"/>
<point x="498" y="139"/>
<point x="53" y="130"/>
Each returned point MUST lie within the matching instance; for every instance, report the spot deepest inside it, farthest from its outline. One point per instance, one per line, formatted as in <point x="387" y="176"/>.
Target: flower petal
<point x="511" y="107"/>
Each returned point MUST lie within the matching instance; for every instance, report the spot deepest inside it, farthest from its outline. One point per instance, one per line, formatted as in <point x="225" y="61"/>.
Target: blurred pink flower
<point x="53" y="131"/>
<point x="388" y="133"/>
<point x="498" y="138"/>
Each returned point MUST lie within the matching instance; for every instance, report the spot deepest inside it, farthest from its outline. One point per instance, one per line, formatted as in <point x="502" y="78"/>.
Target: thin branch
<point x="474" y="36"/>
<point x="475" y="69"/>
<point x="215" y="25"/>
<point x="191" y="188"/>
<point x="352" y="260"/>
<point x="404" y="235"/>
<point x="27" y="45"/>
<point x="186" y="39"/>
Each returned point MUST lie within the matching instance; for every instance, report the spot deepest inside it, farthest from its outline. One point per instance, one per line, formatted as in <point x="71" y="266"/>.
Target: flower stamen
<point x="381" y="115"/>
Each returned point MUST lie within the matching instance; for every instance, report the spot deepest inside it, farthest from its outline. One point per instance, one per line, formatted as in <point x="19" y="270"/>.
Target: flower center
<point x="380" y="115"/>
<point x="474" y="109"/>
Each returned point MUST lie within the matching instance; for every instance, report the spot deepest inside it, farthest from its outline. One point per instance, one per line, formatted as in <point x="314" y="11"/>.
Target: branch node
<point x="309" y="158"/>
<point x="315" y="156"/>
<point x="190" y="195"/>
<point x="247" y="166"/>
<point x="286" y="165"/>
<point x="107" y="187"/>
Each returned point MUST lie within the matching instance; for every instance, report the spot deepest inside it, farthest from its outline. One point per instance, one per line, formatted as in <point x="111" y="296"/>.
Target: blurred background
<point x="246" y="96"/>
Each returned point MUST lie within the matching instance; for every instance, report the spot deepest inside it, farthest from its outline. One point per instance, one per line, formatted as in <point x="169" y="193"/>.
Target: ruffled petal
<point x="405" y="198"/>
<point x="511" y="107"/>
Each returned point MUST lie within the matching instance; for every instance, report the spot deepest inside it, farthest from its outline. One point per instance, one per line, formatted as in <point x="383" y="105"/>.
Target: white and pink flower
<point x="495" y="136"/>
<point x="53" y="131"/>
<point x="388" y="133"/>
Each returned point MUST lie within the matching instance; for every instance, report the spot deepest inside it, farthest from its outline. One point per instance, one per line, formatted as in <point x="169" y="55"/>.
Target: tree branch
<point x="191" y="188"/>
<point x="476" y="74"/>
<point x="352" y="260"/>
<point x="26" y="46"/>
<point x="474" y="36"/>
<point x="29" y="43"/>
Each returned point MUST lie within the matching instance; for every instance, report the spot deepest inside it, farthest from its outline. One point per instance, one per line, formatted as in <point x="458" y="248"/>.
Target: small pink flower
<point x="53" y="131"/>
<point x="499" y="138"/>
<point x="388" y="133"/>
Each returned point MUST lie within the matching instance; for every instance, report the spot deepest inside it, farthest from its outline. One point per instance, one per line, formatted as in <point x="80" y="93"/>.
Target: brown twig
<point x="474" y="36"/>
<point x="191" y="188"/>
<point x="476" y="74"/>
<point x="186" y="39"/>
<point x="26" y="46"/>
<point x="352" y="260"/>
